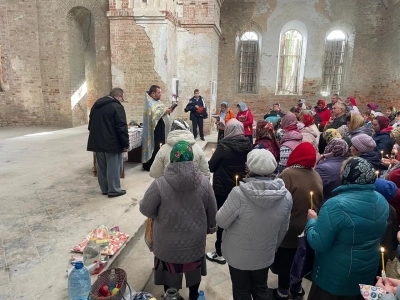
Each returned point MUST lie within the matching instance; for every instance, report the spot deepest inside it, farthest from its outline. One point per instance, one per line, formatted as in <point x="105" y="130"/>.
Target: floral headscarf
<point x="265" y="130"/>
<point x="182" y="151"/>
<point x="331" y="133"/>
<point x="280" y="133"/>
<point x="337" y="147"/>
<point x="343" y="130"/>
<point x="358" y="171"/>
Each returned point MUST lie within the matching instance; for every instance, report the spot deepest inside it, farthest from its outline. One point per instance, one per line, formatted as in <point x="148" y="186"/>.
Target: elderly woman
<point x="384" y="143"/>
<point x="228" y="164"/>
<point x="300" y="179"/>
<point x="323" y="112"/>
<point x="245" y="116"/>
<point x="255" y="218"/>
<point x="346" y="235"/>
<point x="181" y="198"/>
<point x="309" y="131"/>
<point x="329" y="168"/>
<point x="180" y="131"/>
<point x="290" y="139"/>
<point x="225" y="114"/>
<point x="266" y="139"/>
<point x="363" y="145"/>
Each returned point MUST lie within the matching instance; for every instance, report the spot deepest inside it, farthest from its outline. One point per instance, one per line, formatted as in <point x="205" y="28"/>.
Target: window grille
<point x="248" y="63"/>
<point x="290" y="63"/>
<point x="332" y="77"/>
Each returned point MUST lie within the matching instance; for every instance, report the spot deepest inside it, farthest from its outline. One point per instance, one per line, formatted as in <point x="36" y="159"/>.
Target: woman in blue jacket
<point x="346" y="235"/>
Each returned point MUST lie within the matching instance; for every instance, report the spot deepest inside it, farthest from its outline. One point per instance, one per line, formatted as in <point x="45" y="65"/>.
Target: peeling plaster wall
<point x="268" y="17"/>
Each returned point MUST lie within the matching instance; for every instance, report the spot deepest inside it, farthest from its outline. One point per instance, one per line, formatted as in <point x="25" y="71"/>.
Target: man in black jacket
<point x="198" y="113"/>
<point x="108" y="138"/>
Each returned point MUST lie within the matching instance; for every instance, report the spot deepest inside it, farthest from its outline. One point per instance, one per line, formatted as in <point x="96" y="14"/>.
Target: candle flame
<point x="236" y="176"/>
<point x="382" y="249"/>
<point x="311" y="193"/>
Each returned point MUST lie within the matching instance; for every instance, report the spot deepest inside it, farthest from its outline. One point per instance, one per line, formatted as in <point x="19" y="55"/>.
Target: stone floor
<point x="50" y="200"/>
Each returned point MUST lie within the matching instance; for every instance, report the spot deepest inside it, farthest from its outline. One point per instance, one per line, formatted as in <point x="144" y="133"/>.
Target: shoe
<point x="297" y="296"/>
<point x="202" y="139"/>
<point x="179" y="297"/>
<point x="276" y="296"/>
<point x="122" y="192"/>
<point x="104" y="194"/>
<point x="213" y="256"/>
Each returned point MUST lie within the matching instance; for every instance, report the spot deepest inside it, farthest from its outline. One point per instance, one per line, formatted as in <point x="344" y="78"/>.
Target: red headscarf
<point x="321" y="101"/>
<point x="308" y="120"/>
<point x="304" y="155"/>
<point x="353" y="101"/>
<point x="383" y="122"/>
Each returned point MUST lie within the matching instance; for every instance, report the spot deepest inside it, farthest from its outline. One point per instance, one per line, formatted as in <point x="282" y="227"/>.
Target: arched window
<point x="248" y="61"/>
<point x="290" y="60"/>
<point x="335" y="51"/>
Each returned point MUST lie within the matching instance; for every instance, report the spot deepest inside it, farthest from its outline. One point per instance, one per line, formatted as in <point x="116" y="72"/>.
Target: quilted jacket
<point x="346" y="238"/>
<point x="255" y="217"/>
<point x="183" y="208"/>
<point x="162" y="159"/>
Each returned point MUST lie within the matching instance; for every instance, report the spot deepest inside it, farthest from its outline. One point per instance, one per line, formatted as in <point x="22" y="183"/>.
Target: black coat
<point x="383" y="143"/>
<point x="228" y="161"/>
<point x="191" y="106"/>
<point x="108" y="130"/>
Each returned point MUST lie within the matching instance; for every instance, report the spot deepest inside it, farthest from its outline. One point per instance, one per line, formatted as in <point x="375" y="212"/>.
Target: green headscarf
<point x="182" y="151"/>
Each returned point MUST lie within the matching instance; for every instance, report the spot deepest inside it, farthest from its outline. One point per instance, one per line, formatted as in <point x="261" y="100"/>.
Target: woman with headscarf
<point x="346" y="235"/>
<point x="323" y="112"/>
<point x="180" y="131"/>
<point x="253" y="228"/>
<point x="290" y="139"/>
<point x="309" y="131"/>
<point x="266" y="139"/>
<point x="225" y="114"/>
<point x="245" y="116"/>
<point x="228" y="164"/>
<point x="329" y="168"/>
<point x="181" y="198"/>
<point x="372" y="108"/>
<point x="391" y="114"/>
<point x="330" y="134"/>
<point x="300" y="179"/>
<point x="384" y="143"/>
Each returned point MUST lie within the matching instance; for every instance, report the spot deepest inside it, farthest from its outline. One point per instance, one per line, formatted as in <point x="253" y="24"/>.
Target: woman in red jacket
<point x="245" y="116"/>
<point x="323" y="112"/>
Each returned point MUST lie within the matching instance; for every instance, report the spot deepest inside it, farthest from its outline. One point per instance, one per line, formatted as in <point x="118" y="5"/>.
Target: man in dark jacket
<point x="339" y="111"/>
<point x="108" y="138"/>
<point x="198" y="113"/>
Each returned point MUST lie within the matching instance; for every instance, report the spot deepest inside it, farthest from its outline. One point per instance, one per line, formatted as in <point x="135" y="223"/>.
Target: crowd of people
<point x="330" y="172"/>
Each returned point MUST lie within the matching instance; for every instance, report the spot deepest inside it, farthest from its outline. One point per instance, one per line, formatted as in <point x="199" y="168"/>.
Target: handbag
<point x="148" y="234"/>
<point x="303" y="261"/>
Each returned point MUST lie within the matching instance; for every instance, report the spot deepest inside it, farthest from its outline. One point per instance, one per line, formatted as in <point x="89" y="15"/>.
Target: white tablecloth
<point x="135" y="140"/>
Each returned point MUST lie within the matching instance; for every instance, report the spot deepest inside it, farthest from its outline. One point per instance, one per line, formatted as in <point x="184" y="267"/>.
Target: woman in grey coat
<point x="255" y="217"/>
<point x="183" y="207"/>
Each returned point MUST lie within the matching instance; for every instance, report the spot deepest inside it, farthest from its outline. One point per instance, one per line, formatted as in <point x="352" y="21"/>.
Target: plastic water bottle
<point x="91" y="253"/>
<point x="171" y="294"/>
<point x="112" y="280"/>
<point x="79" y="282"/>
<point x="201" y="296"/>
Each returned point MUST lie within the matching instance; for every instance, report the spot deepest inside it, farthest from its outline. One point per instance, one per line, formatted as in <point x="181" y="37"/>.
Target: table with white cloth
<point x="134" y="151"/>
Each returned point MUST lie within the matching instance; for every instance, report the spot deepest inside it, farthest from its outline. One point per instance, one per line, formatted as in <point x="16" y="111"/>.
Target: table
<point x="134" y="153"/>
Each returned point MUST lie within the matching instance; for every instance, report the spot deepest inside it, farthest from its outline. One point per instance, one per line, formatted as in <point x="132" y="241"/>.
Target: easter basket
<point x="103" y="280"/>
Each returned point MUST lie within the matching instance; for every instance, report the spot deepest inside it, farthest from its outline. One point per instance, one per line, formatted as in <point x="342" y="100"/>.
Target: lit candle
<point x="377" y="174"/>
<point x="382" y="154"/>
<point x="311" y="201"/>
<point x="160" y="145"/>
<point x="383" y="263"/>
<point x="236" y="177"/>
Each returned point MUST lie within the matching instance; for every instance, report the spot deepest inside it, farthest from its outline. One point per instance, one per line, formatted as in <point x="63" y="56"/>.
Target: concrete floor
<point x="50" y="200"/>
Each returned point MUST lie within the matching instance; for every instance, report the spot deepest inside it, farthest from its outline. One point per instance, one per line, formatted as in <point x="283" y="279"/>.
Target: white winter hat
<point x="261" y="162"/>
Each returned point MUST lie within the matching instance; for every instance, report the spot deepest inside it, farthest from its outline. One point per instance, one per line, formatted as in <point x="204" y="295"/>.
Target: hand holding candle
<point x="383" y="263"/>
<point x="311" y="200"/>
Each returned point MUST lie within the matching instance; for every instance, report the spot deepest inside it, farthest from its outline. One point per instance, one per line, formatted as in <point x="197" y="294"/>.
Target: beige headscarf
<point x="233" y="128"/>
